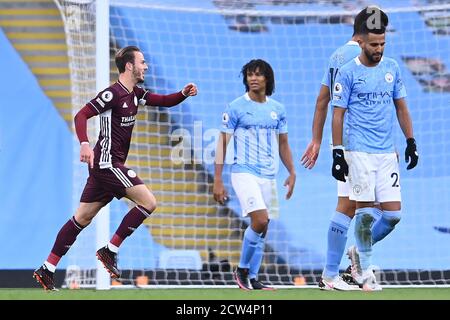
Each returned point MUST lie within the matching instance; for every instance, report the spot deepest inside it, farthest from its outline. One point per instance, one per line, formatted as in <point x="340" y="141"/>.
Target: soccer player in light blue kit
<point x="258" y="124"/>
<point x="345" y="209"/>
<point x="370" y="87"/>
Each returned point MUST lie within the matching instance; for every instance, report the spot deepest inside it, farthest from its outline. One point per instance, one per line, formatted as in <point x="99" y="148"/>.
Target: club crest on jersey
<point x="131" y="173"/>
<point x="274" y="115"/>
<point x="389" y="77"/>
<point x="225" y="117"/>
<point x="107" y="96"/>
<point x="338" y="87"/>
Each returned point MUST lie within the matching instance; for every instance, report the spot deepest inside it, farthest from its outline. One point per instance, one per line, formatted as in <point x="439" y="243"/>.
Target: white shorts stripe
<point x="119" y="174"/>
<point x="124" y="177"/>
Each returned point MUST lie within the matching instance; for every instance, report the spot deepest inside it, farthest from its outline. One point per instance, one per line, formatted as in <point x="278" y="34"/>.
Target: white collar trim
<point x="358" y="62"/>
<point x="247" y="97"/>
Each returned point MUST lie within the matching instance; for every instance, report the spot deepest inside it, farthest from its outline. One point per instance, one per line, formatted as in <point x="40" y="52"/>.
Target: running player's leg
<point x="124" y="182"/>
<point x="65" y="239"/>
<point x="145" y="204"/>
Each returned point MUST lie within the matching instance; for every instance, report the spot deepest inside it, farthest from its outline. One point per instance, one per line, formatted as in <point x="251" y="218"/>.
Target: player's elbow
<point x="80" y="116"/>
<point x="322" y="103"/>
<point x="78" y="121"/>
<point x="77" y="117"/>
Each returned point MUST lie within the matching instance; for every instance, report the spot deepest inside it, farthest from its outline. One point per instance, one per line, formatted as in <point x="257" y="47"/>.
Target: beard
<point x="136" y="75"/>
<point x="373" y="58"/>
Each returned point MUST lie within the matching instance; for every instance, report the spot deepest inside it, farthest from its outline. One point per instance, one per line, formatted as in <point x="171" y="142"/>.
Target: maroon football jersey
<point x="117" y="108"/>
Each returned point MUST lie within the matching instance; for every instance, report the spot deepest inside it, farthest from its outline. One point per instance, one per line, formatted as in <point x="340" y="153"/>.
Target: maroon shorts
<point x="104" y="184"/>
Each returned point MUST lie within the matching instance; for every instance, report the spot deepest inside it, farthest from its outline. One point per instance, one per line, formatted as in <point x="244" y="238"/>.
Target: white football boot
<point x="336" y="283"/>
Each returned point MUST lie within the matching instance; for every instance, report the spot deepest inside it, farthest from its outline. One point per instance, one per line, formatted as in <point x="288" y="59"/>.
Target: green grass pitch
<point x="226" y="294"/>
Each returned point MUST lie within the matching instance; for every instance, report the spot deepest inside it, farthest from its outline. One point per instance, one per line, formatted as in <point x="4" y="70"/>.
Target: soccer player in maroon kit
<point x="117" y="107"/>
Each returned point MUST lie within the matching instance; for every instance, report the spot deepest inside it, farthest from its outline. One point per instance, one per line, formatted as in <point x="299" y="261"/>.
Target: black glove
<point x="411" y="153"/>
<point x="340" y="167"/>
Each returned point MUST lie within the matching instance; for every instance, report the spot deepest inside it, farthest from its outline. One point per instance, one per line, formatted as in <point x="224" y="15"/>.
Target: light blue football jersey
<point x="368" y="93"/>
<point x="341" y="56"/>
<point x="255" y="127"/>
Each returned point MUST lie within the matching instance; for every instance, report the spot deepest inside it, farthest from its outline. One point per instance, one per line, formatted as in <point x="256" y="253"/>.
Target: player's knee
<point x="149" y="207"/>
<point x="145" y="210"/>
<point x="265" y="224"/>
<point x="85" y="215"/>
<point x="260" y="225"/>
<point x="149" y="204"/>
<point x="82" y="220"/>
<point x="346" y="206"/>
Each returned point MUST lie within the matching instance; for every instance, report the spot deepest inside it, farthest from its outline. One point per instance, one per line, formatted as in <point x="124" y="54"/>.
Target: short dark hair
<point x="361" y="25"/>
<point x="265" y="69"/>
<point x="125" y="55"/>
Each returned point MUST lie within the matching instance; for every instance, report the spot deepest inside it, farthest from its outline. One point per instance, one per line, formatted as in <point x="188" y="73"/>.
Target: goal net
<point x="191" y="240"/>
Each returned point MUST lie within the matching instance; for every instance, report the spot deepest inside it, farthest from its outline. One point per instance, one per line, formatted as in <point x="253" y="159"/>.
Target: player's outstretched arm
<point x="311" y="153"/>
<point x="80" y="119"/>
<point x="286" y="158"/>
<point x="404" y="119"/>
<point x="171" y="100"/>
<point x="219" y="192"/>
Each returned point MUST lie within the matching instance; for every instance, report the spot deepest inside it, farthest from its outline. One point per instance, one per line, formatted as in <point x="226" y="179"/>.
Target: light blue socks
<point x="363" y="235"/>
<point x="256" y="260"/>
<point x="249" y="245"/>
<point x="337" y="239"/>
<point x="385" y="225"/>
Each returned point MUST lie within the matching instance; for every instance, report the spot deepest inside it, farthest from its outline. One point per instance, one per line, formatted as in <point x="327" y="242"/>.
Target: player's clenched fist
<point x="189" y="90"/>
